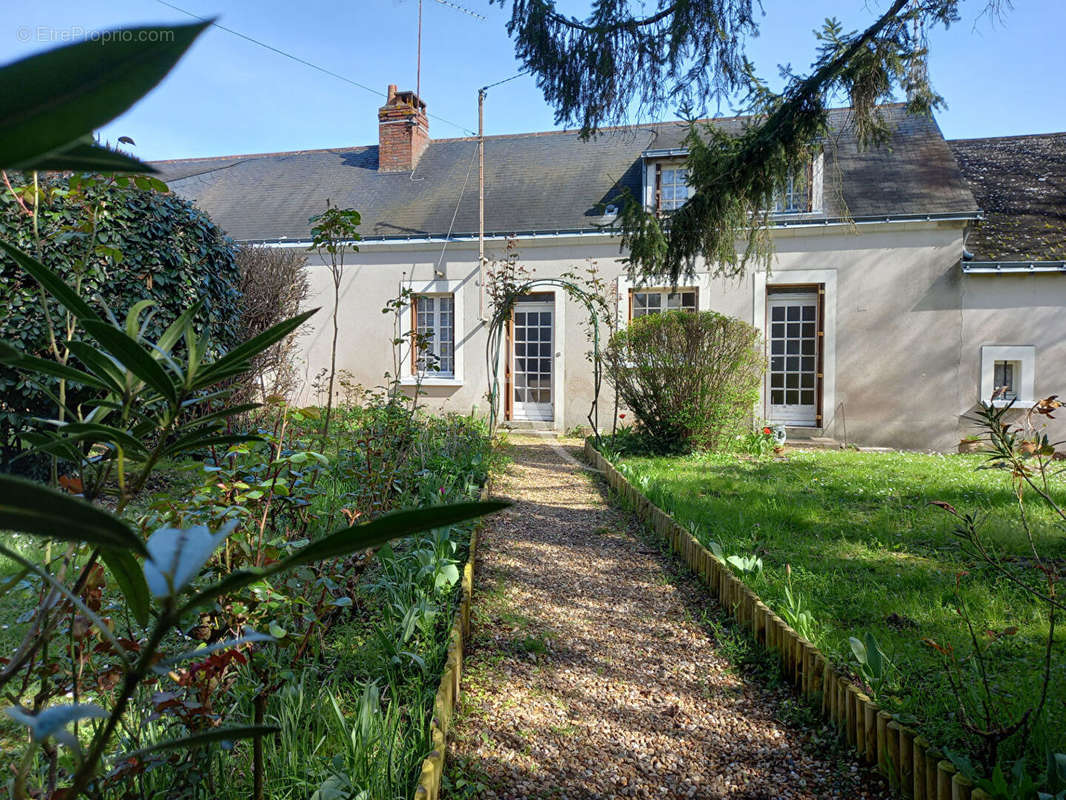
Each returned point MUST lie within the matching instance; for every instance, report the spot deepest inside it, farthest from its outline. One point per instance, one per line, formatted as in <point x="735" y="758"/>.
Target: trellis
<point x="502" y="315"/>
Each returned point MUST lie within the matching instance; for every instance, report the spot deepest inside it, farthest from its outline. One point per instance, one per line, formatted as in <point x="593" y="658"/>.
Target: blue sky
<point x="230" y="96"/>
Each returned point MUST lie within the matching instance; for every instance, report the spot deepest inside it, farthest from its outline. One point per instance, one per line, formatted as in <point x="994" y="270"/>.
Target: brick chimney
<point x="403" y="131"/>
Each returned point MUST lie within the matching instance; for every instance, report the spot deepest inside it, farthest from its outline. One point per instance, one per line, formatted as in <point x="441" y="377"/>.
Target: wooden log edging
<point x="448" y="693"/>
<point x="912" y="768"/>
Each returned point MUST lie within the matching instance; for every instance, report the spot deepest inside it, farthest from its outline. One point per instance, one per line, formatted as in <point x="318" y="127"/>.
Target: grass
<point x="868" y="553"/>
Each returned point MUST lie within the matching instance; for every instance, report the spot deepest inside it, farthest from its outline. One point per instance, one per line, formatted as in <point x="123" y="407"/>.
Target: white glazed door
<point x="792" y="339"/>
<point x="533" y="344"/>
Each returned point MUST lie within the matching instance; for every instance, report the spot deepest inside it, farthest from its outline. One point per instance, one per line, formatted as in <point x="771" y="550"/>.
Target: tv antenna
<point x="454" y="7"/>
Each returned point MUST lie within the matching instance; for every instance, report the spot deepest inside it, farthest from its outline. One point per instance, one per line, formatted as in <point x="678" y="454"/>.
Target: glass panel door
<point x="792" y="339"/>
<point x="533" y="361"/>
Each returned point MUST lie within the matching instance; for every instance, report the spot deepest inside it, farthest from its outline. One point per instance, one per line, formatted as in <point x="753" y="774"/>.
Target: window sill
<point x="412" y="380"/>
<point x="1019" y="404"/>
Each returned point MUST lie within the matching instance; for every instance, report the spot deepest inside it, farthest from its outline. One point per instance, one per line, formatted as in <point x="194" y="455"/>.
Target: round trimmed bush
<point x="690" y="379"/>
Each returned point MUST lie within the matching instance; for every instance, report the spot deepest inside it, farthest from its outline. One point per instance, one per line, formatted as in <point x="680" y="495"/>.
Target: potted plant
<point x="970" y="444"/>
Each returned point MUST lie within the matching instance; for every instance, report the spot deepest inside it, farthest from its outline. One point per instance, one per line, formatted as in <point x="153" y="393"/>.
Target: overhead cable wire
<point x="505" y="80"/>
<point x="303" y="61"/>
<point x="451" y="225"/>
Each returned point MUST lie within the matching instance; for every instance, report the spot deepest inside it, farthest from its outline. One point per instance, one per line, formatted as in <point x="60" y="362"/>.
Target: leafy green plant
<point x="795" y="609"/>
<point x="874" y="665"/>
<point x="147" y="401"/>
<point x="1026" y="454"/>
<point x="333" y="234"/>
<point x="689" y="378"/>
<point x="759" y="443"/>
<point x="746" y="565"/>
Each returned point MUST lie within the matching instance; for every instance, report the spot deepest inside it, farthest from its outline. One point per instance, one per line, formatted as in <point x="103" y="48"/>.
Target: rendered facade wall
<point x="903" y="353"/>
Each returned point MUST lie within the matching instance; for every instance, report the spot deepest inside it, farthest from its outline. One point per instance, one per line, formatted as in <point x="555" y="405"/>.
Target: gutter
<point x="782" y="221"/>
<point x="668" y="152"/>
<point x="1011" y="267"/>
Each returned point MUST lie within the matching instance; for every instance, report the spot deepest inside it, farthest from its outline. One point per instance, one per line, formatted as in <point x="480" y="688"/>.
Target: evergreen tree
<point x="690" y="54"/>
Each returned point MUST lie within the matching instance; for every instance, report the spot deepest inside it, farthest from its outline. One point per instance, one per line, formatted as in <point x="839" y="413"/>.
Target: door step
<point x="528" y="426"/>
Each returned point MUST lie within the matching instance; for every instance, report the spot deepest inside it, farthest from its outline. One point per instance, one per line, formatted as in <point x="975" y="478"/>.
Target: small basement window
<point x="1008" y="374"/>
<point x="1004" y="386"/>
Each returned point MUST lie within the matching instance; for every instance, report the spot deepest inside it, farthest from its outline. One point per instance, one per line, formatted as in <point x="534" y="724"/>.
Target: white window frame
<point x="674" y="168"/>
<point x="434" y="307"/>
<point x="440" y="287"/>
<point x="828" y="279"/>
<point x="664" y="298"/>
<point x="1025" y="383"/>
<point x="782" y="197"/>
<point x="817" y="180"/>
<point x="701" y="282"/>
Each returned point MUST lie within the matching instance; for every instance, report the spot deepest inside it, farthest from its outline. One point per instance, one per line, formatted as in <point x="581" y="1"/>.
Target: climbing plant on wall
<point x="508" y="280"/>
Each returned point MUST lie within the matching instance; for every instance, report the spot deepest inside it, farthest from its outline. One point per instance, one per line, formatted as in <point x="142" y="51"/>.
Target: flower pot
<point x="969" y="446"/>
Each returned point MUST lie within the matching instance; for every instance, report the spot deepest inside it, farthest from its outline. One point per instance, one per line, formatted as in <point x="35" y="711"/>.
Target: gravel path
<point x="594" y="670"/>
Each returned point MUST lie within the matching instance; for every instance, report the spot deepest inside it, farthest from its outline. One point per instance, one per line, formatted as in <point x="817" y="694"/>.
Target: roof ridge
<point x="1005" y="138"/>
<point x="561" y="132"/>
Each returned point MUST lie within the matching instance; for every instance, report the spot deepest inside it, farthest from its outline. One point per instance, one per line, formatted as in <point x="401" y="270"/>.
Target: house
<point x="878" y="329"/>
<point x="1014" y="268"/>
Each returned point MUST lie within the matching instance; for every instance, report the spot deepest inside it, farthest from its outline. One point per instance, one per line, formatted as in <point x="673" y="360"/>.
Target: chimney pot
<point x="403" y="131"/>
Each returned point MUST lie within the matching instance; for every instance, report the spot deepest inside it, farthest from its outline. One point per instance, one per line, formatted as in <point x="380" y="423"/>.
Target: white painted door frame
<point x="533" y="358"/>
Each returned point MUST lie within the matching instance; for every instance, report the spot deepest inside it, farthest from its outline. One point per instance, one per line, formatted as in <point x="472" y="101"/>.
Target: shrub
<point x="690" y="379"/>
<point x="274" y="286"/>
<point x="111" y="241"/>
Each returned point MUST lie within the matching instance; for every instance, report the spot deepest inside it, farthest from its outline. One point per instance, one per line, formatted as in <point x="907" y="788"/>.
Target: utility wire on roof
<point x="451" y="225"/>
<point x="505" y="80"/>
<point x="304" y="61"/>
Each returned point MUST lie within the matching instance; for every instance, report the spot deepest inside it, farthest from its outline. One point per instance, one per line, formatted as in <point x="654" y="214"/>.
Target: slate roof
<point x="1020" y="184"/>
<point x="538" y="182"/>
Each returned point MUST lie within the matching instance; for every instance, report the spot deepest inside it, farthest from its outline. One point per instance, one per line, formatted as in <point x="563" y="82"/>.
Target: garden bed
<point x="362" y="641"/>
<point x="868" y="554"/>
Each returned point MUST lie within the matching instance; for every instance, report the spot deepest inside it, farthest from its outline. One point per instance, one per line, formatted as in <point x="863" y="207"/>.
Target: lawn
<point x="869" y="554"/>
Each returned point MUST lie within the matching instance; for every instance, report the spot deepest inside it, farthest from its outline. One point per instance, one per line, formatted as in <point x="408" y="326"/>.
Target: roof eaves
<point x="1012" y="267"/>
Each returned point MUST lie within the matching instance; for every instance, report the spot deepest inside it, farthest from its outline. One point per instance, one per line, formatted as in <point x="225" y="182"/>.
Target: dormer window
<point x="673" y="189"/>
<point x="794" y="197"/>
<point x="666" y="184"/>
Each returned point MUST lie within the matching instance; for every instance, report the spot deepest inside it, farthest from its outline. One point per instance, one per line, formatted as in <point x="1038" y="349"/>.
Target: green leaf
<point x="385" y="528"/>
<point x="88" y="156"/>
<point x="244" y="352"/>
<point x="348" y="540"/>
<point x="215" y="418"/>
<point x="100" y="365"/>
<point x="172" y="334"/>
<point x="44" y="366"/>
<point x="208" y="737"/>
<point x="875" y="656"/>
<point x="49" y="100"/>
<point x="277" y="631"/>
<point x="129" y="576"/>
<point x="133" y="317"/>
<point x="234" y="582"/>
<point x="28" y="507"/>
<point x="51" y="282"/>
<point x="106" y="434"/>
<point x="859" y="649"/>
<point x="133" y="357"/>
<point x="250" y="637"/>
